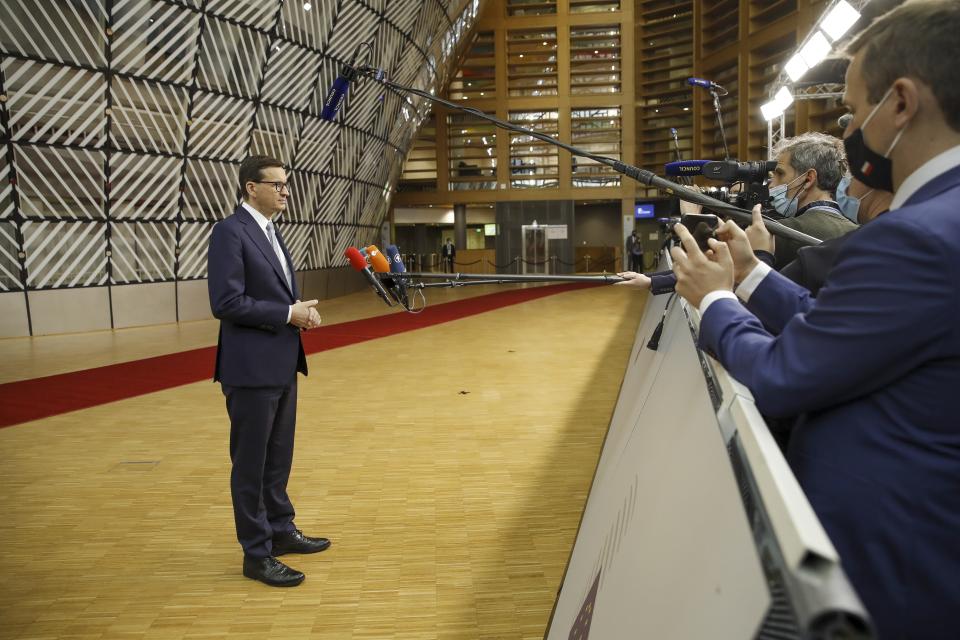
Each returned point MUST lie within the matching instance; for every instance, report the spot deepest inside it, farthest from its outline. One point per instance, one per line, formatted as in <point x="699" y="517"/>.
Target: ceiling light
<point x="796" y="67"/>
<point x="784" y="98"/>
<point x="839" y="20"/>
<point x="770" y="110"/>
<point x="816" y="49"/>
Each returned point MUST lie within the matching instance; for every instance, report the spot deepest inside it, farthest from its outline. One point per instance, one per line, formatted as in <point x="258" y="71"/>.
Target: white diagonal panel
<point x="275" y="133"/>
<point x="374" y="207"/>
<point x="347" y="153"/>
<point x="296" y="236"/>
<point x="148" y="116"/>
<point x="9" y="262"/>
<point x="362" y="102"/>
<point x="256" y="13"/>
<point x="211" y="190"/>
<point x="373" y="160"/>
<point x="65" y="254"/>
<point x="316" y="144"/>
<point x="403" y="14"/>
<point x="59" y="31"/>
<point x="332" y="204"/>
<point x="231" y="58"/>
<point x="354" y="24"/>
<point x="308" y="27"/>
<point x="321" y="244"/>
<point x="377" y="5"/>
<point x="142" y="252"/>
<point x="51" y="103"/>
<point x="290" y="76"/>
<point x="144" y="187"/>
<point x="6" y="190"/>
<point x="59" y="183"/>
<point x="304" y="188"/>
<point x="221" y="127"/>
<point x="354" y="206"/>
<point x="343" y="237"/>
<point x="194" y="240"/>
<point x="154" y="39"/>
<point x="408" y="68"/>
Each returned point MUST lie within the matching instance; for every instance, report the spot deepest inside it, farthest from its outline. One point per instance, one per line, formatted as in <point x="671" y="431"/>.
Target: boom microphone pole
<point x="643" y="176"/>
<point x="492" y="278"/>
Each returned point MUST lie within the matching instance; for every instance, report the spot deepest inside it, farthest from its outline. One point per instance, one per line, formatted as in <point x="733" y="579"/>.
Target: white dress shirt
<point x="262" y="220"/>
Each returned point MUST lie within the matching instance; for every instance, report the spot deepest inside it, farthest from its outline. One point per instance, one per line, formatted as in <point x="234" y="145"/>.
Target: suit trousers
<point x="262" y="425"/>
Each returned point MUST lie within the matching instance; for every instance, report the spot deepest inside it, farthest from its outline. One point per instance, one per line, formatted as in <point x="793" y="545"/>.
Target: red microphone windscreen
<point x="357" y="261"/>
<point x="378" y="260"/>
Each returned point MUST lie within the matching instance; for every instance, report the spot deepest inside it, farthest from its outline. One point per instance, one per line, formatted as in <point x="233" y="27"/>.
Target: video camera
<point x="750" y="176"/>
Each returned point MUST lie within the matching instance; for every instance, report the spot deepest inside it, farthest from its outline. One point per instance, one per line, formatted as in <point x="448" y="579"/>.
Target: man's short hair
<point x="816" y="151"/>
<point x="919" y="39"/>
<point x="251" y="170"/>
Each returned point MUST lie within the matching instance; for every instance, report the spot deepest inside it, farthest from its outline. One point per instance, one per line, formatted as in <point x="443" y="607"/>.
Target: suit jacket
<point x="448" y="251"/>
<point x="812" y="264"/>
<point x="820" y="222"/>
<point x="872" y="364"/>
<point x="250" y="296"/>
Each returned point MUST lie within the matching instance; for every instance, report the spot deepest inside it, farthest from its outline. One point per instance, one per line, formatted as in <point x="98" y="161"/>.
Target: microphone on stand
<point x="396" y="262"/>
<point x="358" y="262"/>
<point x="706" y="84"/>
<point x="341" y="86"/>
<point x="382" y="265"/>
<point x="397" y="268"/>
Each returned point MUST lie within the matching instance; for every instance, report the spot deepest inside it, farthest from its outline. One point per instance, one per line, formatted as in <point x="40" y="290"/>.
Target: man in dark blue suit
<point x="872" y="364"/>
<point x="253" y="291"/>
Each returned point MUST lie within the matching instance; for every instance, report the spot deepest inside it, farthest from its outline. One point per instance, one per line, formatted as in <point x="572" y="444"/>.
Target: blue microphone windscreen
<point x="396" y="262"/>
<point x="335" y="98"/>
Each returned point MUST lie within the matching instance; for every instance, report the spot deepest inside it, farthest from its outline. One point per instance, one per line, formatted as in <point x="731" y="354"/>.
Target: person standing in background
<point x="447" y="254"/>
<point x="635" y="251"/>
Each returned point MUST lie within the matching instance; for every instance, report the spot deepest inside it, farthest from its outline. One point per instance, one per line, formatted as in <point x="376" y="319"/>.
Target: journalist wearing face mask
<point x="871" y="364"/>
<point x="809" y="169"/>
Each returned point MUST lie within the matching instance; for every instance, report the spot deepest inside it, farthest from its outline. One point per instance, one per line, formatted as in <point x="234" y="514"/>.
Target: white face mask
<point x="849" y="205"/>
<point x="778" y="196"/>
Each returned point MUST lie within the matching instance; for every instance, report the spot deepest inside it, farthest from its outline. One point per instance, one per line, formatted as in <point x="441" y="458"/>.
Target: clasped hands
<point x="728" y="260"/>
<point x="305" y="315"/>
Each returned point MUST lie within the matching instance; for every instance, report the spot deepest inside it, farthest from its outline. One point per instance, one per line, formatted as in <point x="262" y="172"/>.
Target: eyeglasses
<point x="279" y="186"/>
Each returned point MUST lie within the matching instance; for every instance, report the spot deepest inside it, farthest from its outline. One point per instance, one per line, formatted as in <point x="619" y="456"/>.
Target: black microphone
<point x="360" y="264"/>
<point x="706" y="84"/>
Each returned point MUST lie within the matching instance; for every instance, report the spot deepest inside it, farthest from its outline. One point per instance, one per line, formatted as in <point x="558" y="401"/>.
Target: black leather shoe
<point x="295" y="542"/>
<point x="271" y="571"/>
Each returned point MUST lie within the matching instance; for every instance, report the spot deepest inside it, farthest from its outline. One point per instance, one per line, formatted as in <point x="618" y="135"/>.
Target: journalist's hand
<point x="634" y="280"/>
<point x="741" y="252"/>
<point x="760" y="238"/>
<point x="700" y="273"/>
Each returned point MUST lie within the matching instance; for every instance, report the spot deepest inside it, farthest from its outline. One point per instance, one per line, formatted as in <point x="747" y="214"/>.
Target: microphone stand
<point x="686" y="180"/>
<point x="716" y="109"/>
<point x="643" y="176"/>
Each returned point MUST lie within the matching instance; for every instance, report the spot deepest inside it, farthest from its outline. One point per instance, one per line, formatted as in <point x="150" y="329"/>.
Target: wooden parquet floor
<point x="449" y="466"/>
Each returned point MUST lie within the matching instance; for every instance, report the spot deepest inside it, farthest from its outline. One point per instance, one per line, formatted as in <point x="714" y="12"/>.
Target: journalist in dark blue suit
<point x="872" y="365"/>
<point x="254" y="293"/>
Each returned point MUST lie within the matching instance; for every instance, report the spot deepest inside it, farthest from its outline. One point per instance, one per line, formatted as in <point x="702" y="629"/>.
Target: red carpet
<point x="52" y="395"/>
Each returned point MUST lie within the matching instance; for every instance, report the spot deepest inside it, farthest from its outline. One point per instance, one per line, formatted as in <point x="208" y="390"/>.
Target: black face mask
<point x="866" y="165"/>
